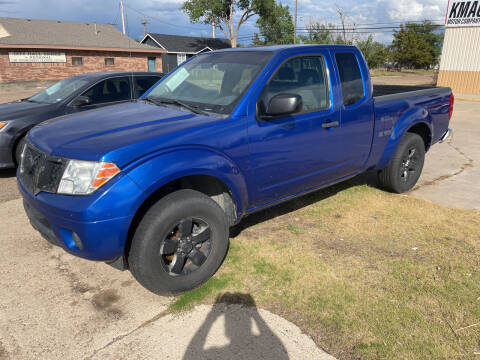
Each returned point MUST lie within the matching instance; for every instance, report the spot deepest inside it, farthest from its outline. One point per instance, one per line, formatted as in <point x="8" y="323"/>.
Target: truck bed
<point x="382" y="93"/>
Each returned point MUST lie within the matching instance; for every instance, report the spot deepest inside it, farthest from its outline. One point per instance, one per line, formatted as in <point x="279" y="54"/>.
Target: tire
<point x="405" y="168"/>
<point x="18" y="150"/>
<point x="163" y="231"/>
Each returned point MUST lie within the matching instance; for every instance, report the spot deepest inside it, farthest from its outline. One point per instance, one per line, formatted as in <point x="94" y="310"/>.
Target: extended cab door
<point x="356" y="109"/>
<point x="290" y="154"/>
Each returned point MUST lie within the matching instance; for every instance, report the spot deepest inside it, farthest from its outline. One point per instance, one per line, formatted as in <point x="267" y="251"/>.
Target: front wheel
<point x="405" y="168"/>
<point x="18" y="150"/>
<point x="180" y="243"/>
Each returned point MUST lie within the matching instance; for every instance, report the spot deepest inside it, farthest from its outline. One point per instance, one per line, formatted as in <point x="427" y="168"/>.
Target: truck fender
<point x="410" y="119"/>
<point x="159" y="170"/>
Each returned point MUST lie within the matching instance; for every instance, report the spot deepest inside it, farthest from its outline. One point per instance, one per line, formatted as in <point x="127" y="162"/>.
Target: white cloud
<point x="167" y="18"/>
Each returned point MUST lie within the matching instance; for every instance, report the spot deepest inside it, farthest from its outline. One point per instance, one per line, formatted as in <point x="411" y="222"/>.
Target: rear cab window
<point x="301" y="75"/>
<point x="351" y="80"/>
<point x="142" y="83"/>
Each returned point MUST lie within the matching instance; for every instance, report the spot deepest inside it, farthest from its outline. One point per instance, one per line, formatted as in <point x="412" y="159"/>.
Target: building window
<point x="109" y="61"/>
<point x="181" y="58"/>
<point x="77" y="61"/>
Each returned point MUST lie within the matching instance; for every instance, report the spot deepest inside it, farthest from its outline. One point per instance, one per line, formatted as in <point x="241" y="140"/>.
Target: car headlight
<point x="84" y="177"/>
<point x="2" y="125"/>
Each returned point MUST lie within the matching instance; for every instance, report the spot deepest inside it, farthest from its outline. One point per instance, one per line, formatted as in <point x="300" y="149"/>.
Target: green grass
<point x="367" y="274"/>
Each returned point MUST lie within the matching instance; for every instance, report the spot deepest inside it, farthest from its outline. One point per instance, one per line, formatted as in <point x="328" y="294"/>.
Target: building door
<point x="152" y="64"/>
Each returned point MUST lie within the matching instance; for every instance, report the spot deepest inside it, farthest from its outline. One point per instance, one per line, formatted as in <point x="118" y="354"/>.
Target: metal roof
<point x="50" y="33"/>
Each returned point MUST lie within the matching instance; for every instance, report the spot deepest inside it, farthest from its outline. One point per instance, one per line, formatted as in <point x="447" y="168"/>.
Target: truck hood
<point x="19" y="109"/>
<point x="118" y="133"/>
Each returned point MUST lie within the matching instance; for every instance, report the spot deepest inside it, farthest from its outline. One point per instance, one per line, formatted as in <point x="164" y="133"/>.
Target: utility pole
<point x="295" y="24"/>
<point x="214" y="34"/>
<point x="123" y="16"/>
<point x="144" y="23"/>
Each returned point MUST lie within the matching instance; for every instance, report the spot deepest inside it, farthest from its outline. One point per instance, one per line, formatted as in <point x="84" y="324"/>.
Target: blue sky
<point x="165" y="16"/>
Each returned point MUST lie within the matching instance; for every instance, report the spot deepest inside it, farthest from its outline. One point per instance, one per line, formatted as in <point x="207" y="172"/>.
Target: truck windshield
<point x="58" y="91"/>
<point x="213" y="82"/>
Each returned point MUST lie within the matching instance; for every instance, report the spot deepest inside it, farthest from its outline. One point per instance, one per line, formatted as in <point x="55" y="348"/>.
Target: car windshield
<point x="213" y="82"/>
<point x="59" y="91"/>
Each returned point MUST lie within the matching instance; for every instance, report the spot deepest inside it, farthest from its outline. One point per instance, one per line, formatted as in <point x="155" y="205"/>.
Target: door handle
<point x="331" y="124"/>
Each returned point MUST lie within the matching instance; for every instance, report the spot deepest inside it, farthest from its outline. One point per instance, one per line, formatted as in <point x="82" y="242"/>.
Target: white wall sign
<point x="463" y="13"/>
<point x="37" y="57"/>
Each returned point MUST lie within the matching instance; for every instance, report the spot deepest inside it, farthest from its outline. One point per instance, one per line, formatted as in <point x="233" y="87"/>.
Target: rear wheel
<point x="180" y="243"/>
<point x="406" y="165"/>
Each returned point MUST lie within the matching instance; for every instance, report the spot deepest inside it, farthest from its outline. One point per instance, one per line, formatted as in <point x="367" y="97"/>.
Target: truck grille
<point x="39" y="171"/>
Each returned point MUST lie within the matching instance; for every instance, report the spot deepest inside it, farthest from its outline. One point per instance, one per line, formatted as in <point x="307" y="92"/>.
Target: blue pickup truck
<point x="154" y="185"/>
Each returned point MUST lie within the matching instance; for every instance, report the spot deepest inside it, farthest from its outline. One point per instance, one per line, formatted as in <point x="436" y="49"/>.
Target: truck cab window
<point x="304" y="76"/>
<point x="350" y="78"/>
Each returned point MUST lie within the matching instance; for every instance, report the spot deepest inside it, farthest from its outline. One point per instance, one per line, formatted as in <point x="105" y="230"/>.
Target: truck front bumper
<point x="93" y="227"/>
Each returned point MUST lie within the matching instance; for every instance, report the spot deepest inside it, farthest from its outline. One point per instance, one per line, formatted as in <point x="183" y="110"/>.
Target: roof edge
<point x="151" y="37"/>
<point x="92" y="48"/>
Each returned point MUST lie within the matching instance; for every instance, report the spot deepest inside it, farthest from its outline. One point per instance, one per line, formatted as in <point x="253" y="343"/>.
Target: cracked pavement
<point x="451" y="173"/>
<point x="56" y="306"/>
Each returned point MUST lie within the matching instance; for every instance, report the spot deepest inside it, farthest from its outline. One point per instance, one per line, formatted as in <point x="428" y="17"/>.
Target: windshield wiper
<point x="192" y="108"/>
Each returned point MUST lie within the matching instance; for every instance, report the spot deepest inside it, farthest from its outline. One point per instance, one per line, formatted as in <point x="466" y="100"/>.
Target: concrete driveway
<point x="452" y="171"/>
<point x="56" y="306"/>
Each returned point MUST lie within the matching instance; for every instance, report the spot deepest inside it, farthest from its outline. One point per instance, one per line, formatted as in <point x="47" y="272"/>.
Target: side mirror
<point x="80" y="101"/>
<point x="283" y="104"/>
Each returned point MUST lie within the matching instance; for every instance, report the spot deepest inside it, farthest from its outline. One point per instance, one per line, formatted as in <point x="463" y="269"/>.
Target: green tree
<point x="222" y="13"/>
<point x="277" y="27"/>
<point x="256" y="41"/>
<point x="317" y="33"/>
<point x="375" y="53"/>
<point x="416" y="46"/>
<point x="429" y="33"/>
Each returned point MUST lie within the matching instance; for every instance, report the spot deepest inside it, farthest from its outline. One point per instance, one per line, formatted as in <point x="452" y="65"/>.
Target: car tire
<point x="18" y="150"/>
<point x="165" y="239"/>
<point x="405" y="168"/>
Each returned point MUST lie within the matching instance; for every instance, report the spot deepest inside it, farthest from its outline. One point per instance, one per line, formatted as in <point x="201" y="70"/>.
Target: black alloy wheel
<point x="179" y="243"/>
<point x="405" y="168"/>
<point x="186" y="247"/>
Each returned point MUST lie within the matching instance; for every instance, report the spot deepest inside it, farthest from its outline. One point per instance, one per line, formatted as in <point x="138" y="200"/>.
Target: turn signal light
<point x="107" y="171"/>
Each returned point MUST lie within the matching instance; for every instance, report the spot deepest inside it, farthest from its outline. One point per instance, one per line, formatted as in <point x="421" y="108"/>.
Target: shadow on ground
<point x="368" y="178"/>
<point x="248" y="334"/>
<point x="8" y="173"/>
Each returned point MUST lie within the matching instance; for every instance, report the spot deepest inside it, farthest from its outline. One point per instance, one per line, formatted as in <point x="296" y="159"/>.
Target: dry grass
<point x="385" y="72"/>
<point x="367" y="274"/>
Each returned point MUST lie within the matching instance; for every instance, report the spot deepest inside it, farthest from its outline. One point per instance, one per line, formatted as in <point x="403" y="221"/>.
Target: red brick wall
<point x="93" y="61"/>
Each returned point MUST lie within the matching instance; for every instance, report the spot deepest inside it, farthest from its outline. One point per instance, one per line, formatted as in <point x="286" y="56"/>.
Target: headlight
<point x="2" y="125"/>
<point x="84" y="177"/>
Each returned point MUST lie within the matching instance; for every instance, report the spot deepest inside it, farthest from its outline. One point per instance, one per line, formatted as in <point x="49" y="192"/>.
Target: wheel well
<point x="424" y="131"/>
<point x="208" y="185"/>
<point x="15" y="145"/>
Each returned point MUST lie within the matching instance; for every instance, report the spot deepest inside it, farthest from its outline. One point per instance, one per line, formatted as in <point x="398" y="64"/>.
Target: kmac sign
<point x="463" y="13"/>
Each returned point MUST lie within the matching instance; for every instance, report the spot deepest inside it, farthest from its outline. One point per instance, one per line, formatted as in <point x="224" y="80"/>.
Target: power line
<point x="354" y="27"/>
<point x="160" y="20"/>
